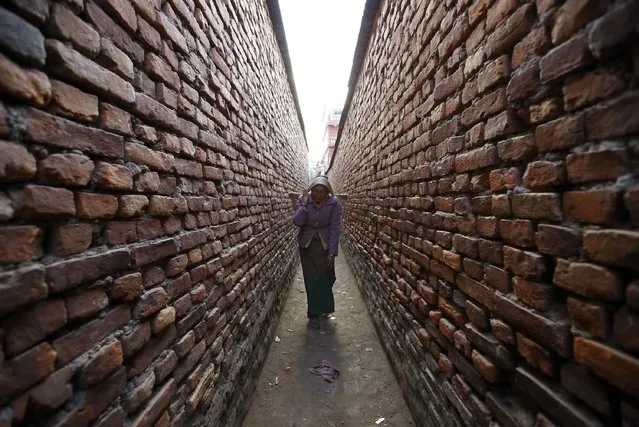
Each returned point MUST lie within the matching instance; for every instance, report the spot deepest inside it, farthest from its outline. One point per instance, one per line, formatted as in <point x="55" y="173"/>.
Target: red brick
<point x="487" y="226"/>
<point x="462" y="344"/>
<point x="536" y="295"/>
<point x="16" y="163"/>
<point x="51" y="130"/>
<point x="518" y="232"/>
<point x="616" y="118"/>
<point x="21" y="287"/>
<point x="66" y="169"/>
<point x="123" y="12"/>
<point x="150" y="228"/>
<point x="498" y="12"/>
<point x="528" y="265"/>
<point x="486" y="368"/>
<point x="511" y="31"/>
<point x="49" y="394"/>
<point x="537" y="206"/>
<point x="574" y="15"/>
<point x="590" y="88"/>
<point x="29" y="327"/>
<point x="156" y="160"/>
<point x="536" y="355"/>
<point x="564" y="59"/>
<point x="86" y="269"/>
<point x="608" y="34"/>
<point x="613" y="247"/>
<point x="47" y="202"/>
<point x="96" y="206"/>
<point x="159" y="69"/>
<point x="161" y="206"/>
<point x="557" y="241"/>
<point x="147" y="182"/>
<point x="109" y="28"/>
<point x="484" y="107"/>
<point x="524" y="81"/>
<point x="535" y="43"/>
<point x="83" y="71"/>
<point x="446" y="365"/>
<point x="169" y="30"/>
<point x="501" y="205"/>
<point x="126" y="288"/>
<point x="519" y="148"/>
<point x="447" y="329"/>
<point x="616" y="367"/>
<point x="71" y="102"/>
<point x="114" y="119"/>
<point x="477" y="10"/>
<point x="156" y="406"/>
<point x="115" y="60"/>
<point x="113" y="177"/>
<point x="119" y="233"/>
<point x="72" y="239"/>
<point x="589" y="280"/>
<point x="625" y="329"/>
<point x="589" y="317"/>
<point x="26" y="370"/>
<point x="593" y="206"/>
<point x="476" y="159"/>
<point x="494" y="72"/>
<point x="86" y="304"/>
<point x="21" y="243"/>
<point x="149" y="35"/>
<point x="543" y="174"/>
<point x="606" y="165"/>
<point x="101" y="364"/>
<point x="150" y="302"/>
<point x="560" y="134"/>
<point x="504" y="123"/>
<point x="163" y="319"/>
<point x="502" y="331"/>
<point x="132" y="205"/>
<point x="477" y="316"/>
<point x="154" y="251"/>
<point x="546" y="110"/>
<point x="63" y="24"/>
<point x="497" y="278"/>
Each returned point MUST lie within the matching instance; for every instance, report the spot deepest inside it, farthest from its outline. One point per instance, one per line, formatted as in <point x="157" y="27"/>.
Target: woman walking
<point x="319" y="216"/>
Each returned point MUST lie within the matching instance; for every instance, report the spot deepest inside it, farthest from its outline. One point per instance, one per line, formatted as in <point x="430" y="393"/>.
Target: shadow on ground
<point x="288" y="395"/>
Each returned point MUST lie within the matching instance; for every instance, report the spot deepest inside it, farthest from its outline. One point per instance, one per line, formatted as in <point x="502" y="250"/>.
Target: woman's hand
<point x="305" y="199"/>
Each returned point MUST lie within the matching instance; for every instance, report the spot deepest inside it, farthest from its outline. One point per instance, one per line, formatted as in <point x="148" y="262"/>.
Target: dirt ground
<point x="365" y="392"/>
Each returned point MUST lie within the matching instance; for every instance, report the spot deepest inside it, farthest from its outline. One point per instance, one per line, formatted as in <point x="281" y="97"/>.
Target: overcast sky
<point x="321" y="37"/>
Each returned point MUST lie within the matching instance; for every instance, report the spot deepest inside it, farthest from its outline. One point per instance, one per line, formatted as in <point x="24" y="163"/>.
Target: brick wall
<point x="489" y="156"/>
<point x="147" y="149"/>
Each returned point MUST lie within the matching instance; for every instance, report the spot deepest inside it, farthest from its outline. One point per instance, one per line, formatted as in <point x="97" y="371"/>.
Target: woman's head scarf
<point x="323" y="181"/>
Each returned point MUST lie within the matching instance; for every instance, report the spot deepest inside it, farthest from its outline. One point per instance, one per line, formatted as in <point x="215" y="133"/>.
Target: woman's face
<point x="319" y="193"/>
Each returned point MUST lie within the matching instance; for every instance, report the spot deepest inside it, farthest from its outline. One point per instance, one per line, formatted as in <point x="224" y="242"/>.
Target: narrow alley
<point x="485" y="174"/>
<point x="364" y="393"/>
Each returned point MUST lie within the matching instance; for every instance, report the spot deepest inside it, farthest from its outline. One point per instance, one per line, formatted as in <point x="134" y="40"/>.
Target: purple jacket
<point x="325" y="220"/>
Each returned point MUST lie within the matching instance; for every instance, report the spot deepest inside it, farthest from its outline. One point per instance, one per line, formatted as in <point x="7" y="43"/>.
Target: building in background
<point x="332" y="117"/>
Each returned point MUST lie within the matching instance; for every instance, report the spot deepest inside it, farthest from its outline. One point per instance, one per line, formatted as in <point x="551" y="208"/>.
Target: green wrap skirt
<point x="319" y="278"/>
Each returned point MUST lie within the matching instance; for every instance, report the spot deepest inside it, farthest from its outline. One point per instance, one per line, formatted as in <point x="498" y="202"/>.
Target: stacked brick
<point x="490" y="161"/>
<point x="147" y="148"/>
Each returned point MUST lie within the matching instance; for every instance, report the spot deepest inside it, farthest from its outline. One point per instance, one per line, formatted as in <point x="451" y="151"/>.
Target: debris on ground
<point x="325" y="370"/>
<point x="380" y="420"/>
<point x="277" y="339"/>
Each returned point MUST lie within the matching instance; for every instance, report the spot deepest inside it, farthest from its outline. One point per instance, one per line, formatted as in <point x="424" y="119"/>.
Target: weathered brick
<point x="476" y="159"/>
<point x="23" y="83"/>
<point x="108" y="27"/>
<point x="21" y="287"/>
<point x="101" y="364"/>
<point x="65" y="25"/>
<point x="588" y="317"/>
<point x="536" y="355"/>
<point x="524" y="81"/>
<point x="560" y="134"/>
<point x="590" y="88"/>
<point x="518" y="232"/>
<point x="115" y="60"/>
<point x="114" y="119"/>
<point x="50" y="130"/>
<point x="557" y="241"/>
<point x="564" y="59"/>
<point x="613" y="247"/>
<point x="151" y="302"/>
<point x="614" y="366"/>
<point x="608" y="33"/>
<point x="588" y="280"/>
<point x="574" y="15"/>
<point x="508" y="33"/>
<point x="47" y="202"/>
<point x="537" y="295"/>
<point x="83" y="71"/>
<point x="616" y="118"/>
<point x="21" y="39"/>
<point x="96" y="206"/>
<point x="21" y="243"/>
<point x="543" y="174"/>
<point x="593" y="206"/>
<point x="528" y="265"/>
<point x="16" y="164"/>
<point x="537" y="206"/>
<point x="70" y="273"/>
<point x="29" y="327"/>
<point x="26" y="370"/>
<point x="535" y="43"/>
<point x="86" y="304"/>
<point x="72" y="238"/>
<point x="66" y="169"/>
<point x="602" y="165"/>
<point x="518" y="148"/>
<point x="126" y="288"/>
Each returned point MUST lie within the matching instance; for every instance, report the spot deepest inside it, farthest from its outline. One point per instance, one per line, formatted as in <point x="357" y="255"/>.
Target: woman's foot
<point x="314" y="322"/>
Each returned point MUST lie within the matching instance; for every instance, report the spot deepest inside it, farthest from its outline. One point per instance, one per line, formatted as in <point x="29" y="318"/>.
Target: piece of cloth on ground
<point x="325" y="370"/>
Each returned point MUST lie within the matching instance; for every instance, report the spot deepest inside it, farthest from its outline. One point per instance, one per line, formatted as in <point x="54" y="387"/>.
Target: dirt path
<point x="288" y="395"/>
